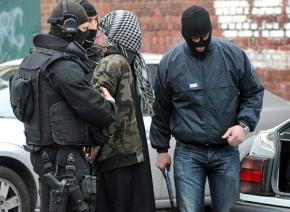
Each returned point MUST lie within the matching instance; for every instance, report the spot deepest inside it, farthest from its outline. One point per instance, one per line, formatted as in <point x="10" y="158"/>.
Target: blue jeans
<point x="192" y="164"/>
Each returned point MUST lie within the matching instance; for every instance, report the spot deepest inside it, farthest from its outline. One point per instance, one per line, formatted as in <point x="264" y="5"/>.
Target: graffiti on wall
<point x="9" y="22"/>
<point x="19" y="21"/>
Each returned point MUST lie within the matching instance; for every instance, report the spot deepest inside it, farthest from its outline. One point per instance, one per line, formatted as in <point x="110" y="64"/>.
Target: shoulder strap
<point x="53" y="54"/>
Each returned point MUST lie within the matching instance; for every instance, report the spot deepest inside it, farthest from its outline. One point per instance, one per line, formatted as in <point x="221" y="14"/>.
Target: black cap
<point x="73" y="9"/>
<point x="89" y="8"/>
<point x="195" y="21"/>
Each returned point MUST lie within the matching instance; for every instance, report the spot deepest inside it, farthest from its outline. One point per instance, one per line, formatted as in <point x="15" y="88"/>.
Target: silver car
<point x="265" y="172"/>
<point x="18" y="182"/>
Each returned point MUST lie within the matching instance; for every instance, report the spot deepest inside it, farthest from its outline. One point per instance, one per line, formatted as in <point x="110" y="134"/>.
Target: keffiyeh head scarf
<point x="122" y="29"/>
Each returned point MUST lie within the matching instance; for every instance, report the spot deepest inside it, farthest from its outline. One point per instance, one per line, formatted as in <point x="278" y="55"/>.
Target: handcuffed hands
<point x="105" y="93"/>
<point x="91" y="153"/>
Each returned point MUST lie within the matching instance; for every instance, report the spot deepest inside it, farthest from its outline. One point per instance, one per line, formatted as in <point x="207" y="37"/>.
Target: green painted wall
<point x="19" y="21"/>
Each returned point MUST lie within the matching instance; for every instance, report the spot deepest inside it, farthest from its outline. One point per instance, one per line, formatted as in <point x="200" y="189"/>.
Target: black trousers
<point x="58" y="158"/>
<point x="124" y="190"/>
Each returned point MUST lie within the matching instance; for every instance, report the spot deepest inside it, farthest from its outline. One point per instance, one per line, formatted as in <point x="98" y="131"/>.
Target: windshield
<point x="5" y="108"/>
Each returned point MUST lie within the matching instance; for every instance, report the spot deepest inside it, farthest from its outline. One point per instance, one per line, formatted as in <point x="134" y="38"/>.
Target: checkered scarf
<point x="122" y="29"/>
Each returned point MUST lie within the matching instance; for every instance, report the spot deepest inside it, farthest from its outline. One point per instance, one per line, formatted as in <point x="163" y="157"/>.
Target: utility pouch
<point x="58" y="201"/>
<point x="78" y="198"/>
<point x="21" y="97"/>
<point x="88" y="186"/>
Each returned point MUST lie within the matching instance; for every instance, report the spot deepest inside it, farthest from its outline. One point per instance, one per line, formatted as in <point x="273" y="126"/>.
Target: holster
<point x="58" y="201"/>
<point x="89" y="190"/>
<point x="88" y="186"/>
<point x="77" y="196"/>
<point x="83" y="193"/>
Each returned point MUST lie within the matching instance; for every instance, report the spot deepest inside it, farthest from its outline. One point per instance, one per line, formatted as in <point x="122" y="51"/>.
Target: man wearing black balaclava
<point x="63" y="105"/>
<point x="208" y="97"/>
<point x="196" y="30"/>
<point x="93" y="22"/>
<point x="93" y="50"/>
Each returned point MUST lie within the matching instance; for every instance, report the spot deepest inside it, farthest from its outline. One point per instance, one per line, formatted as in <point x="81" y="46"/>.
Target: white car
<point x="18" y="182"/>
<point x="265" y="172"/>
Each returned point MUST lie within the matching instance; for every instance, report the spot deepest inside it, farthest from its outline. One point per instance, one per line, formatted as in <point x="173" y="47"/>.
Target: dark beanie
<point x="89" y="8"/>
<point x="195" y="21"/>
<point x="73" y="9"/>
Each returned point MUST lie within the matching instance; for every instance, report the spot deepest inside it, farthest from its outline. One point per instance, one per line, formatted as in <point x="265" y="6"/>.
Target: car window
<point x="153" y="68"/>
<point x="3" y="84"/>
<point x="7" y="71"/>
<point x="5" y="74"/>
<point x="5" y="107"/>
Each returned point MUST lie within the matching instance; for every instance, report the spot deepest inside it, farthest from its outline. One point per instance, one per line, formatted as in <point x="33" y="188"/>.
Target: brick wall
<point x="260" y="27"/>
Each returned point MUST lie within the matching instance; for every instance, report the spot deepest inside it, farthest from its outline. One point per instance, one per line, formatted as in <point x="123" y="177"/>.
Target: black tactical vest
<point x="48" y="119"/>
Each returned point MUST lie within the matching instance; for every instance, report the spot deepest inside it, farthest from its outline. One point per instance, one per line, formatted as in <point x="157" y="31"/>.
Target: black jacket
<point x="94" y="56"/>
<point x="64" y="101"/>
<point x="198" y="99"/>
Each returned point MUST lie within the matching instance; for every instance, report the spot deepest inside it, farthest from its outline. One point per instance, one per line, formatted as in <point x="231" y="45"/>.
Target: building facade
<point x="260" y="27"/>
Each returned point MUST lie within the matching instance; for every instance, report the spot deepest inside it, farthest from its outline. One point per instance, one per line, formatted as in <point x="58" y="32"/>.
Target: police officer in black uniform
<point x="61" y="107"/>
<point x="93" y="50"/>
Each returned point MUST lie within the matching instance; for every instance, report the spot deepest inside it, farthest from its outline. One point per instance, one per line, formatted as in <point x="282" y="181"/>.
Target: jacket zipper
<point x="206" y="108"/>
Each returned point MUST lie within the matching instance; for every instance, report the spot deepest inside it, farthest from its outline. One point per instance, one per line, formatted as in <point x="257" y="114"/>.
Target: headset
<point x="68" y="23"/>
<point x="80" y="1"/>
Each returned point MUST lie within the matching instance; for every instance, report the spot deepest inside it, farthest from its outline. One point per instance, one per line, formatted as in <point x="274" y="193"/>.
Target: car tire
<point x="10" y="180"/>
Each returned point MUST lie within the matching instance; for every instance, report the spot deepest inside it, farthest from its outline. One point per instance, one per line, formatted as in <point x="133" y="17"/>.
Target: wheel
<point x="14" y="195"/>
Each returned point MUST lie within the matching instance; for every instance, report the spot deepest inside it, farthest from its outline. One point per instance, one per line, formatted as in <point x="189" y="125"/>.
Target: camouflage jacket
<point x="124" y="144"/>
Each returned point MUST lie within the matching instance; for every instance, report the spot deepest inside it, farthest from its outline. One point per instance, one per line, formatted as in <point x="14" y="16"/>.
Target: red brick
<point x="160" y="24"/>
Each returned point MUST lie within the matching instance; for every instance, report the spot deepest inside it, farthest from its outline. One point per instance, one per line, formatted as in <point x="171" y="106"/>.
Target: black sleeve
<point x="251" y="95"/>
<point x="69" y="79"/>
<point x="160" y="132"/>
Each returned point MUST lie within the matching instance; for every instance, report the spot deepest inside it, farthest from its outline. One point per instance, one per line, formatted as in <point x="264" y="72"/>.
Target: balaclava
<point x="73" y="9"/>
<point x="195" y="21"/>
<point x="122" y="29"/>
<point x="91" y="12"/>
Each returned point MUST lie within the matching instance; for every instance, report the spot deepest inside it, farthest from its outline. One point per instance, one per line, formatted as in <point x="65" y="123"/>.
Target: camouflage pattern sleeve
<point x="114" y="73"/>
<point x="107" y="74"/>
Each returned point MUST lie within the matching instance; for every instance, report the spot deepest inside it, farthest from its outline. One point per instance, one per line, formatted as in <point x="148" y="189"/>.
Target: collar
<point x="54" y="42"/>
